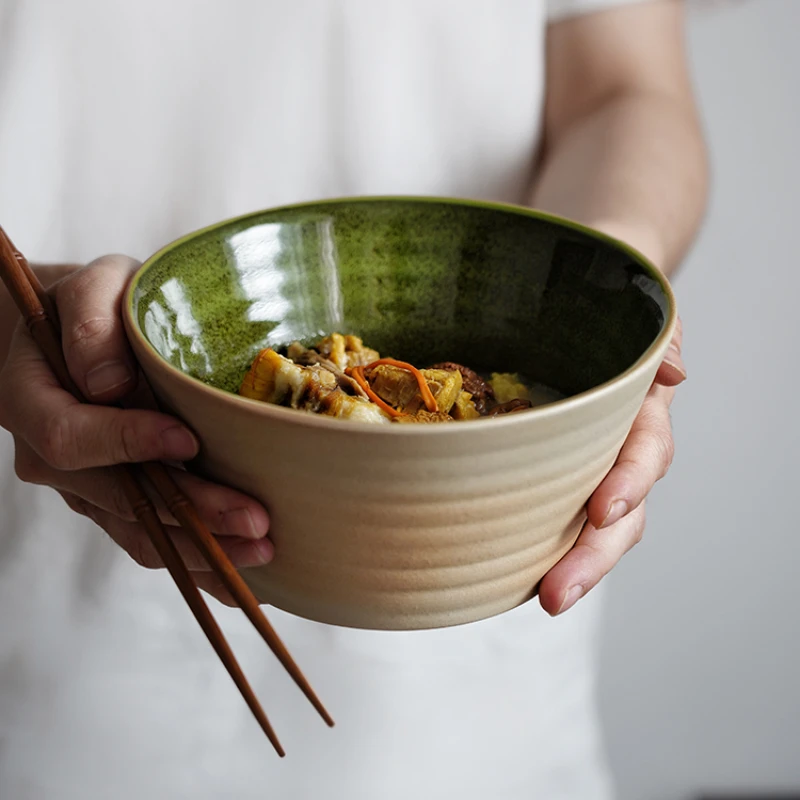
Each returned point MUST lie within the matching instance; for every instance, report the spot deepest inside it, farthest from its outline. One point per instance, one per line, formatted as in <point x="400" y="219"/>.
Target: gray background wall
<point x="700" y="681"/>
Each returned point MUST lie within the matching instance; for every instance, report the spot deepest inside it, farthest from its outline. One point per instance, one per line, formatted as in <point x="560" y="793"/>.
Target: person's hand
<point x="64" y="444"/>
<point x="616" y="510"/>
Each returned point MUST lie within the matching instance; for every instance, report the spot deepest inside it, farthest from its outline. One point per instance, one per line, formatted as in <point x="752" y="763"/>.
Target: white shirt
<point x="124" y="125"/>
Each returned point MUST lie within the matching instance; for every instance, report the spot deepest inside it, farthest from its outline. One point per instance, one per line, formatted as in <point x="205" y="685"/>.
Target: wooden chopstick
<point x="185" y="513"/>
<point x="40" y="316"/>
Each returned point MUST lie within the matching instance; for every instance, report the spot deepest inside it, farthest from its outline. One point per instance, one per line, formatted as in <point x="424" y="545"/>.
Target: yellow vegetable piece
<point x="508" y="386"/>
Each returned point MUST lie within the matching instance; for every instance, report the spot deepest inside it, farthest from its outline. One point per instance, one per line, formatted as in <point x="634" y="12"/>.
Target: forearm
<point x="635" y="168"/>
<point x="9" y="316"/>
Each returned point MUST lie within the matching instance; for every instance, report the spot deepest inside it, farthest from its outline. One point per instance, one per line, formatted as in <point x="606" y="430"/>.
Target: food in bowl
<point x="406" y="526"/>
<point x="340" y="377"/>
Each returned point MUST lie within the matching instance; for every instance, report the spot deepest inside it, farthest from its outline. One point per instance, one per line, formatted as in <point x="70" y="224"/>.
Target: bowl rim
<point x="645" y="362"/>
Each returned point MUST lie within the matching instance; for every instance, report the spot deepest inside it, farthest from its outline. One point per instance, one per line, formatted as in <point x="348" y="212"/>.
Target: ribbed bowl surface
<point x="406" y="526"/>
<point x="412" y="531"/>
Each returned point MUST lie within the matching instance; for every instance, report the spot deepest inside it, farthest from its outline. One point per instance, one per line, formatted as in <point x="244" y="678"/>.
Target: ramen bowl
<point x="403" y="526"/>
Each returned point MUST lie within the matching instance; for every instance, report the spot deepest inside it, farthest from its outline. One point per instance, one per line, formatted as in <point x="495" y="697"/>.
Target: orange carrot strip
<point x="357" y="373"/>
<point x="424" y="390"/>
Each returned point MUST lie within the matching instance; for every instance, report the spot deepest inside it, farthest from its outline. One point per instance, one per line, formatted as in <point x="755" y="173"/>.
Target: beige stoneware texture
<point x="408" y="528"/>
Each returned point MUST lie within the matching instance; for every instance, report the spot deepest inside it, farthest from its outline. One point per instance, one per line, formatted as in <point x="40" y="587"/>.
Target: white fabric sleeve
<point x="561" y="9"/>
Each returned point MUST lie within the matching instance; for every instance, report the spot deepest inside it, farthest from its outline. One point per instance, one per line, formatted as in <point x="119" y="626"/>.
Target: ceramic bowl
<point x="406" y="526"/>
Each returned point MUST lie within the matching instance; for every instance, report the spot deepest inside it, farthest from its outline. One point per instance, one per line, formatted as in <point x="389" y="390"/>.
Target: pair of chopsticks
<point x="39" y="314"/>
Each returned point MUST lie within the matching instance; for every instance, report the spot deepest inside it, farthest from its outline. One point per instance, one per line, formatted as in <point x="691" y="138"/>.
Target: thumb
<point x="95" y="346"/>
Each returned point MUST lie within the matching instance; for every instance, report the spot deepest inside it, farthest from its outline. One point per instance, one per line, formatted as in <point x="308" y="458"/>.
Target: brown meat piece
<point x="481" y="391"/>
<point x="510" y="407"/>
<point x="393" y="385"/>
<point x="399" y="388"/>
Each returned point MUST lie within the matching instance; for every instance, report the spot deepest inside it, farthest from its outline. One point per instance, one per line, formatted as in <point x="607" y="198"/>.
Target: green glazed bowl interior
<point x="497" y="288"/>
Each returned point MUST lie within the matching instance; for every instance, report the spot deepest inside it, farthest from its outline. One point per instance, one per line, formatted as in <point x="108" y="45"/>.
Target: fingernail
<point x="255" y="554"/>
<point x="570" y="598"/>
<point x="239" y="522"/>
<point x="619" y="508"/>
<point x="265" y="550"/>
<point x="179" y="443"/>
<point x="673" y="359"/>
<point x="106" y="377"/>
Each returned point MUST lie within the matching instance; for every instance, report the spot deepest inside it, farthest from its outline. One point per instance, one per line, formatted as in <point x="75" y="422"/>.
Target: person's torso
<point x="122" y="126"/>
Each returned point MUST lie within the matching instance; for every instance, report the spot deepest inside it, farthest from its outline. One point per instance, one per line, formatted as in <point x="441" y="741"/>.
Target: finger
<point x="70" y="435"/>
<point x="673" y="370"/>
<point x="225" y="511"/>
<point x="95" y="346"/>
<point x="135" y="541"/>
<point x="595" y="553"/>
<point x="644" y="459"/>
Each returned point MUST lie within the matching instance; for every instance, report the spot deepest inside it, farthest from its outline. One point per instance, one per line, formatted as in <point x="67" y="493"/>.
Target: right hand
<point x="64" y="444"/>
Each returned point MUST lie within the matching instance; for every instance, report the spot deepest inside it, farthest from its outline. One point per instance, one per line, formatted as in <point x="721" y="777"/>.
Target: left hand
<point x="616" y="510"/>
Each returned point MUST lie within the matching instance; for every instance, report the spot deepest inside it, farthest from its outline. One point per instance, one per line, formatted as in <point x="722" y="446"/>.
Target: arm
<point x="623" y="153"/>
<point x="623" y="148"/>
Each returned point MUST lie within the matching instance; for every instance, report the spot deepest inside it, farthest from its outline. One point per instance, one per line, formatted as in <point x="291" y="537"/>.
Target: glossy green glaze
<point x="496" y="287"/>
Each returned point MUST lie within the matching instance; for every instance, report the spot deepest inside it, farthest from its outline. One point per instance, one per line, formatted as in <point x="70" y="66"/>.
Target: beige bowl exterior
<point x="409" y="527"/>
